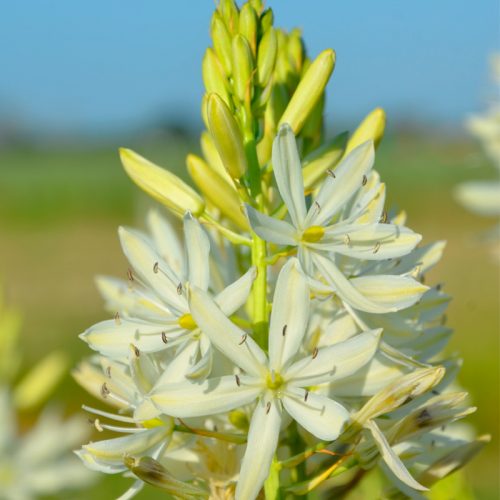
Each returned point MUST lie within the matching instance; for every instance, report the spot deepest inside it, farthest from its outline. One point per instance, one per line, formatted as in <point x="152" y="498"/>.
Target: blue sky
<point x="106" y="65"/>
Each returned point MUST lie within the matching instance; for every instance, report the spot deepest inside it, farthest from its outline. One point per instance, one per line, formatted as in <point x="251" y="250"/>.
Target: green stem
<point x="229" y="437"/>
<point x="259" y="291"/>
<point x="233" y="237"/>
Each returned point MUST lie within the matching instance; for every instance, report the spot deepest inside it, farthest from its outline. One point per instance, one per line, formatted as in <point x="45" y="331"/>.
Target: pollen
<point x="186" y="321"/>
<point x="313" y="234"/>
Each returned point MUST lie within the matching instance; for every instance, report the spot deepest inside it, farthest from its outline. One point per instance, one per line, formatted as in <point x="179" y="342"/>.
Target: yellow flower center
<point x="313" y="234"/>
<point x="186" y="321"/>
<point x="153" y="422"/>
<point x="274" y="381"/>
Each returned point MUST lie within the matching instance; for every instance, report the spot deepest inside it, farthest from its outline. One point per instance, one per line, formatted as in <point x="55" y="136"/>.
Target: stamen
<point x="268" y="407"/>
<point x="117" y="319"/>
<point x="179" y="289"/>
<point x="347" y="239"/>
<point x="315" y="353"/>
<point x="136" y="351"/>
<point x="284" y="330"/>
<point x="156" y="267"/>
<point x="365" y="180"/>
<point x="383" y="219"/>
<point x="330" y="172"/>
<point x="423" y="418"/>
<point x="105" y="391"/>
<point x="164" y="337"/>
<point x="97" y="425"/>
<point x="111" y="416"/>
<point x="238" y="383"/>
<point x="306" y="395"/>
<point x="130" y="276"/>
<point x="108" y="371"/>
<point x="243" y="339"/>
<point x="377" y="247"/>
<point x="318" y="206"/>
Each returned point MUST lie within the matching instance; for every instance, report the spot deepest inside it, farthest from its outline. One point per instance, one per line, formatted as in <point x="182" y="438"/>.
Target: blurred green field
<point x="61" y="206"/>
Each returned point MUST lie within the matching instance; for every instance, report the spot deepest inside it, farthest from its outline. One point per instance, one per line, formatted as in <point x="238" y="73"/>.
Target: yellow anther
<point x="186" y="321"/>
<point x="313" y="234"/>
<point x="153" y="422"/>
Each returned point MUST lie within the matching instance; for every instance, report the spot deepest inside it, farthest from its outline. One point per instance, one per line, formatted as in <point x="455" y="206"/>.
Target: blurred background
<point x="80" y="79"/>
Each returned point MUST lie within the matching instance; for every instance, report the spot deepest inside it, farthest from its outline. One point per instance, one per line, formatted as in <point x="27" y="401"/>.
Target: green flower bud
<point x="266" y="56"/>
<point x="309" y="91"/>
<point x="161" y="184"/>
<point x="248" y="25"/>
<point x="227" y="136"/>
<point x="371" y="128"/>
<point x="216" y="190"/>
<point x="243" y="69"/>
<point x="212" y="155"/>
<point x="296" y="50"/>
<point x="230" y="15"/>
<point x="213" y="75"/>
<point x="239" y="419"/>
<point x="266" y="20"/>
<point x="222" y="43"/>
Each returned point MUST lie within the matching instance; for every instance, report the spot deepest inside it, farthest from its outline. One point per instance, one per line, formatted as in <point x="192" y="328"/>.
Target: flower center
<point x="274" y="380"/>
<point x="186" y="321"/>
<point x="313" y="234"/>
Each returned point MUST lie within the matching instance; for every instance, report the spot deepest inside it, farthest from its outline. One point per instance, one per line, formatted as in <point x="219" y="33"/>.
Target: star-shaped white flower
<point x="278" y="381"/>
<point x="336" y="225"/>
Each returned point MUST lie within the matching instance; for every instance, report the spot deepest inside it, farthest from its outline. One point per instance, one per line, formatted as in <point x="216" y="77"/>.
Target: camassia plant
<point x="286" y="344"/>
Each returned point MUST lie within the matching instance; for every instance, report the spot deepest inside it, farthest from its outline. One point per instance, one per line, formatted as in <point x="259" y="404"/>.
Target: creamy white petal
<point x="391" y="459"/>
<point x="319" y="415"/>
<point x="288" y="173"/>
<point x="262" y="442"/>
<point x="166" y="240"/>
<point x="335" y="362"/>
<point x="143" y="370"/>
<point x="212" y="396"/>
<point x="289" y="315"/>
<point x="336" y="191"/>
<point x="369" y="241"/>
<point x="180" y="364"/>
<point x="238" y="346"/>
<point x="151" y="268"/>
<point x="481" y="197"/>
<point x="236" y="294"/>
<point x="392" y="292"/>
<point x="132" y="491"/>
<point x="271" y="229"/>
<point x="198" y="250"/>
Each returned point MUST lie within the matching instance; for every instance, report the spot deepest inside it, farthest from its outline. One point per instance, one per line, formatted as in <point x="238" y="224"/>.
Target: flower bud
<point x="222" y="43"/>
<point x="227" y="136"/>
<point x="266" y="57"/>
<point x="248" y="26"/>
<point x="230" y="15"/>
<point x="239" y="419"/>
<point x="242" y="69"/>
<point x="323" y="159"/>
<point x="266" y="20"/>
<point x="296" y="50"/>
<point x="212" y="155"/>
<point x="372" y="127"/>
<point x="309" y="91"/>
<point x="161" y="184"/>
<point x="216" y="190"/>
<point x="213" y="75"/>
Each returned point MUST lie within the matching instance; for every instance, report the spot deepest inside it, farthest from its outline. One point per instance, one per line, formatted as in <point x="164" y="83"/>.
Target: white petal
<point x="288" y="174"/>
<point x="369" y="241"/>
<point x="132" y="491"/>
<point x="335" y="362"/>
<point x="145" y="261"/>
<point x="261" y="445"/>
<point x="289" y="316"/>
<point x="391" y="459"/>
<point x="393" y="292"/>
<point x="198" y="249"/>
<point x="143" y="370"/>
<point x="166" y="240"/>
<point x="482" y="197"/>
<point x="271" y="229"/>
<point x="319" y="415"/>
<point x="236" y="294"/>
<point x="212" y="396"/>
<point x="225" y="335"/>
<point x="336" y="191"/>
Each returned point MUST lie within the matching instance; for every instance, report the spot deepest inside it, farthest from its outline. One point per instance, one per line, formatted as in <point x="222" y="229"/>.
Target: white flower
<point x="154" y="313"/>
<point x="340" y="222"/>
<point x="278" y="381"/>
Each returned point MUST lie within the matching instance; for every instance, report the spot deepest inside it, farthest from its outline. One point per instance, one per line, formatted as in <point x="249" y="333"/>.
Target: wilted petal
<point x="335" y="362"/>
<point x="261" y="445"/>
<point x="225" y="335"/>
<point x="391" y="459"/>
<point x="271" y="229"/>
<point x="212" y="396"/>
<point x="321" y="416"/>
<point x="236" y="294"/>
<point x="289" y="316"/>
<point x="336" y="191"/>
<point x="198" y="249"/>
<point x="288" y="173"/>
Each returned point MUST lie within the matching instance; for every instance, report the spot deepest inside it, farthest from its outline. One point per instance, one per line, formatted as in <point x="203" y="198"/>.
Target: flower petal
<point x="391" y="459"/>
<point x="262" y="442"/>
<point x="289" y="316"/>
<point x="271" y="229"/>
<point x="319" y="415"/>
<point x="335" y="362"/>
<point x="288" y="174"/>
<point x="338" y="190"/>
<point x="238" y="346"/>
<point x="212" y="396"/>
<point x="197" y="249"/>
<point x="236" y="294"/>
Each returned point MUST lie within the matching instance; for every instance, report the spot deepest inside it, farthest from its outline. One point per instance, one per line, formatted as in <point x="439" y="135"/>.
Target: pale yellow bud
<point x="230" y="15"/>
<point x="216" y="190"/>
<point x="296" y="50"/>
<point x="371" y="128"/>
<point x="266" y="56"/>
<point x="213" y="75"/>
<point x="248" y="25"/>
<point x="212" y="155"/>
<point x="309" y="91"/>
<point x="242" y="69"/>
<point x="222" y="42"/>
<point x="161" y="184"/>
<point x="227" y="136"/>
<point x="266" y="20"/>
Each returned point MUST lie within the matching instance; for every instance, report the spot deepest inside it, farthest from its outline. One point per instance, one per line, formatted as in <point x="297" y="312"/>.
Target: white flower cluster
<point x="179" y="346"/>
